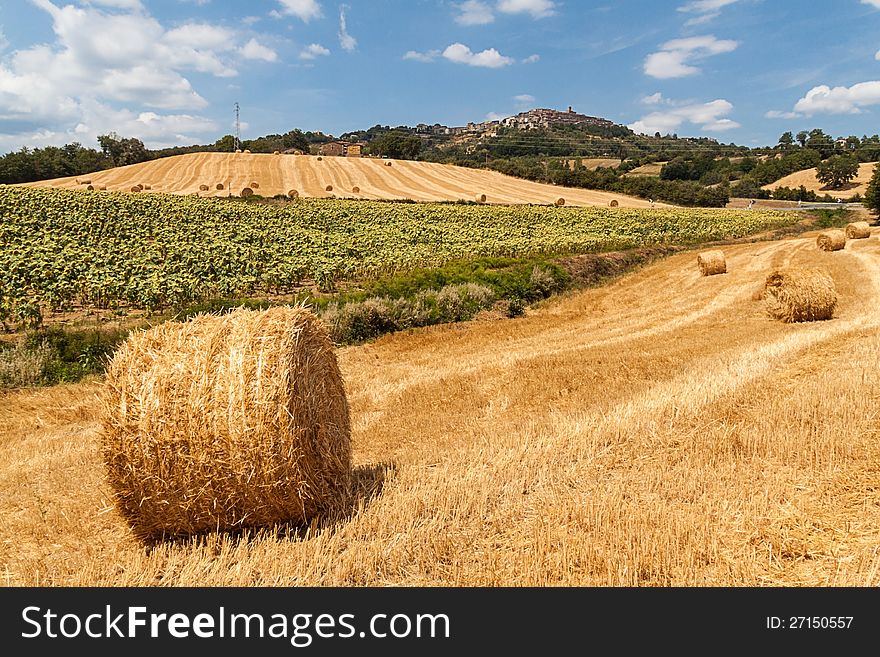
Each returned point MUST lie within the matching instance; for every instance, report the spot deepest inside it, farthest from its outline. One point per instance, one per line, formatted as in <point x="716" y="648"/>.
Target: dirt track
<point x="309" y="176"/>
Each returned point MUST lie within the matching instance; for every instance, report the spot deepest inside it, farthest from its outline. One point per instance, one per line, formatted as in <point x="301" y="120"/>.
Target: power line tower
<point x="237" y="128"/>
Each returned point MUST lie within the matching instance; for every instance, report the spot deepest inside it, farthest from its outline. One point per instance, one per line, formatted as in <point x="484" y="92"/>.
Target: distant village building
<point x="545" y="118"/>
<point x="341" y="149"/>
<point x="336" y="148"/>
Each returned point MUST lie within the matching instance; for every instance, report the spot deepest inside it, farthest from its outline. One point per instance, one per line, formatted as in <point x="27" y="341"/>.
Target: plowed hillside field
<point x="311" y="177"/>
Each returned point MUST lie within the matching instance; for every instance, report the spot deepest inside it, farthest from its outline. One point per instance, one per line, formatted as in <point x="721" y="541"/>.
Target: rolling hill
<point x="807" y="178"/>
<point x="311" y="176"/>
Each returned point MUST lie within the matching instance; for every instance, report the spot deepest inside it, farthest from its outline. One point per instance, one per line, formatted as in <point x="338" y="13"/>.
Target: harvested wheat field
<point x="807" y="178"/>
<point x="662" y="430"/>
<point x="317" y="177"/>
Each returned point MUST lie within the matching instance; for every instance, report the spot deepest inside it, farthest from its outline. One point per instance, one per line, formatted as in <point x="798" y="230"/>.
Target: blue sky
<point x="169" y="71"/>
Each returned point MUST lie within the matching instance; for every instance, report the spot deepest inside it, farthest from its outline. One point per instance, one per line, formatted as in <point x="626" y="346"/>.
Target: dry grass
<point x="226" y="422"/>
<point x="712" y="263"/>
<point x="419" y="181"/>
<point x="858" y="230"/>
<point x="807" y="178"/>
<point x="798" y="294"/>
<point x="659" y="431"/>
<point x="831" y="240"/>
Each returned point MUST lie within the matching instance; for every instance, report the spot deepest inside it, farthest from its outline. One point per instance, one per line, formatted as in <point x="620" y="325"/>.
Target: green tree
<point x="872" y="196"/>
<point x="786" y="141"/>
<point x="836" y="171"/>
<point x="122" y="151"/>
<point x="397" y="145"/>
<point x="802" y="137"/>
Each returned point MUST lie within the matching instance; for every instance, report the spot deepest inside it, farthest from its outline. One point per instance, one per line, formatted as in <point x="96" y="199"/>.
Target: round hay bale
<point x="226" y="421"/>
<point x="831" y="240"/>
<point x="293" y="193"/>
<point x="147" y="187"/>
<point x="247" y="151"/>
<point x="136" y="188"/>
<point x="560" y="202"/>
<point x="276" y="152"/>
<point x="859" y="230"/>
<point x="320" y="158"/>
<point x="356" y="190"/>
<point x="614" y="203"/>
<point x="388" y="164"/>
<point x="481" y="198"/>
<point x="203" y="188"/>
<point x="711" y="263"/>
<point x="254" y="185"/>
<point x="247" y="191"/>
<point x="91" y="188"/>
<point x="328" y="188"/>
<point x="800" y="295"/>
<point x="219" y="186"/>
<point x="102" y="188"/>
<point x="238" y="150"/>
<point x="85" y="181"/>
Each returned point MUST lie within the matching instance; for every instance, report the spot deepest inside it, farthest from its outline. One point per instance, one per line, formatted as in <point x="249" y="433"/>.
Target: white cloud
<point x="255" y="50"/>
<point x="112" y="66"/>
<point x="474" y="12"/>
<point x="490" y="58"/>
<point x="839" y="100"/>
<point x="524" y="98"/>
<point x="424" y="57"/>
<point x="305" y="10"/>
<point x="537" y="8"/>
<point x="710" y="117"/>
<point x="495" y="116"/>
<point x="674" y="60"/>
<point x="131" y="5"/>
<point x="313" y="51"/>
<point x="347" y="41"/>
<point x="3" y="42"/>
<point x="706" y="6"/>
<point x="653" y="99"/>
<point x="531" y="59"/>
<point x="873" y="3"/>
<point x="776" y="114"/>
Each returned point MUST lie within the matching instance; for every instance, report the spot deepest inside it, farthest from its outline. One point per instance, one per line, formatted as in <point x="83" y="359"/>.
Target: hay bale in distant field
<point x="225" y="422"/>
<point x="276" y="152"/>
<point x="831" y="240"/>
<point x="614" y="203"/>
<point x="293" y="193"/>
<point x="102" y="188"/>
<point x="84" y="181"/>
<point x="328" y="188"/>
<point x="238" y="150"/>
<point x="712" y="262"/>
<point x="481" y="198"/>
<point x="247" y="191"/>
<point x="136" y="188"/>
<point x="254" y="185"/>
<point x="219" y="186"/>
<point x="320" y="158"/>
<point x="388" y="164"/>
<point x="356" y="190"/>
<point x="800" y="295"/>
<point x="247" y="151"/>
<point x="560" y="202"/>
<point x="203" y="188"/>
<point x="859" y="230"/>
<point x="91" y="188"/>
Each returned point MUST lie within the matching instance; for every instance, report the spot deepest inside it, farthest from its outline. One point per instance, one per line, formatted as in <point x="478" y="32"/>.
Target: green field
<point x="64" y="249"/>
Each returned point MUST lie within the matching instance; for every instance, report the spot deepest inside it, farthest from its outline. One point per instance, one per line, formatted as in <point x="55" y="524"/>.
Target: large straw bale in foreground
<point x="859" y="230"/>
<point x="831" y="240"/>
<point x="800" y="295"/>
<point x="227" y="421"/>
<point x="712" y="262"/>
